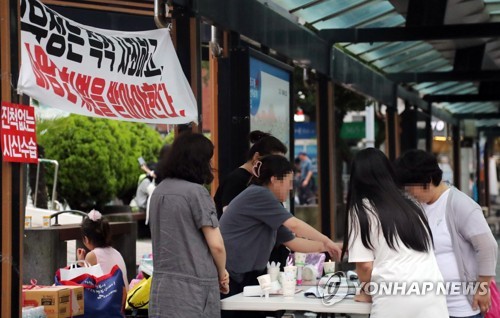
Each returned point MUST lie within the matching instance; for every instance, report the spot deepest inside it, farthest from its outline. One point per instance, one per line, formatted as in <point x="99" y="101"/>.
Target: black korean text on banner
<point x="133" y="76"/>
<point x="18" y="133"/>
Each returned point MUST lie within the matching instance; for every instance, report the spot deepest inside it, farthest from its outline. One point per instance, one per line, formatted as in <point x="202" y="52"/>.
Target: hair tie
<point x="94" y="215"/>
<point x="256" y="168"/>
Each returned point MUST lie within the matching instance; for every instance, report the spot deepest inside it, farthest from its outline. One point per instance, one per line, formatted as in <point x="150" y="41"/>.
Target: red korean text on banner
<point x="129" y="76"/>
<point x="18" y="137"/>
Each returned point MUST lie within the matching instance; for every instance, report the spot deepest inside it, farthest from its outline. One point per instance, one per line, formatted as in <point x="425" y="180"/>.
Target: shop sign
<point x="305" y="130"/>
<point x="18" y="133"/>
<point x="355" y="130"/>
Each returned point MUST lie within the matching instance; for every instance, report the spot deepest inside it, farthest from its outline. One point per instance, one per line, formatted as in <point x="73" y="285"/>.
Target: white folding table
<point x="297" y="303"/>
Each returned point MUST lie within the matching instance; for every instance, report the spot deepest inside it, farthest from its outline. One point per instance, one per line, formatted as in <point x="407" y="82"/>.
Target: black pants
<point x="279" y="254"/>
<point x="306" y="194"/>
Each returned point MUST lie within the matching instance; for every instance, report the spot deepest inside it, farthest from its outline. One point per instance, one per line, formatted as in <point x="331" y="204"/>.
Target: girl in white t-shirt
<point x="390" y="241"/>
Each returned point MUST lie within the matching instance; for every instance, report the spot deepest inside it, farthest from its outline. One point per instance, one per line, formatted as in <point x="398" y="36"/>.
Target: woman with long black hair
<point x="390" y="241"/>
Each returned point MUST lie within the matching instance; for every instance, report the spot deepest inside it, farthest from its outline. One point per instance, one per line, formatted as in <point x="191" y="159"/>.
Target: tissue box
<point x="58" y="301"/>
<point x="252" y="291"/>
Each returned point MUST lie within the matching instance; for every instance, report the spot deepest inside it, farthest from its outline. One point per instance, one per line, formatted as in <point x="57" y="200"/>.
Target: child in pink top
<point x="96" y="237"/>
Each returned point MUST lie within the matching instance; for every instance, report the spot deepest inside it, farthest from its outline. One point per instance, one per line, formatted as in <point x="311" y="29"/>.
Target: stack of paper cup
<point x="300" y="259"/>
<point x="291" y="271"/>
<point x="288" y="284"/>
<point x="274" y="272"/>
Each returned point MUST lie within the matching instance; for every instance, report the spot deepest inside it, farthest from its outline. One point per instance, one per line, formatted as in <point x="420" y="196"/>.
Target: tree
<point x="97" y="157"/>
<point x="143" y="142"/>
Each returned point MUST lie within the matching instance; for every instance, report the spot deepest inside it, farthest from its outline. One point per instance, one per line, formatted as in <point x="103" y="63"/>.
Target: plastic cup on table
<point x="274" y="272"/>
<point x="329" y="267"/>
<point x="292" y="270"/>
<point x="281" y="277"/>
<point x="288" y="287"/>
<point x="265" y="283"/>
<point x="300" y="259"/>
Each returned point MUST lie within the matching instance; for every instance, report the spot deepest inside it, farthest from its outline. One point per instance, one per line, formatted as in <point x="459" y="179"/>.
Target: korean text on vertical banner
<point x="18" y="133"/>
<point x="131" y="76"/>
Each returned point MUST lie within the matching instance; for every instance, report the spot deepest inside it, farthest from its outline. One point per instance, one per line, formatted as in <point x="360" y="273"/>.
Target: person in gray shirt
<point x="251" y="221"/>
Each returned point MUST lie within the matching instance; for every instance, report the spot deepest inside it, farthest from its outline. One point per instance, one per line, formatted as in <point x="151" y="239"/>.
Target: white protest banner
<point x="130" y="76"/>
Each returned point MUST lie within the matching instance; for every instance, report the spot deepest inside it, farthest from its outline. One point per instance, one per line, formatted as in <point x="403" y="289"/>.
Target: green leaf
<point x="97" y="157"/>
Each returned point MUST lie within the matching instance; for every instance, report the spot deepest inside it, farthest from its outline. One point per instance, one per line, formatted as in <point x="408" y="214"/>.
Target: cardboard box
<point x="54" y="299"/>
<point x="58" y="301"/>
<point x="76" y="301"/>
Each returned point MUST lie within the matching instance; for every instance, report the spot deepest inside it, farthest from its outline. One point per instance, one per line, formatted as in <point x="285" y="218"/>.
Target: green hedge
<point x="97" y="157"/>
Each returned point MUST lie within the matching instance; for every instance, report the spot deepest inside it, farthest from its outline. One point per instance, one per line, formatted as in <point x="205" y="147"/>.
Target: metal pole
<point x="391" y="132"/>
<point x="36" y="183"/>
<point x="54" y="193"/>
<point x="428" y="129"/>
<point x="456" y="156"/>
<point x="370" y="126"/>
<point x="56" y="170"/>
<point x="160" y="14"/>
